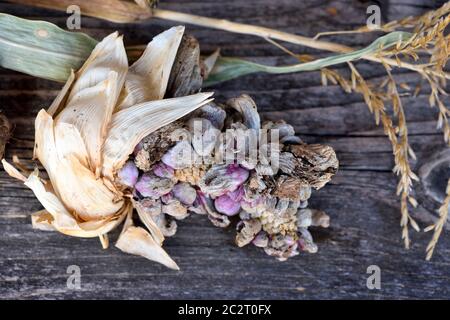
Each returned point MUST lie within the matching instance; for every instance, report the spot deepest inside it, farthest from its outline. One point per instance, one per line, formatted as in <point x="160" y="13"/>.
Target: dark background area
<point x="365" y="214"/>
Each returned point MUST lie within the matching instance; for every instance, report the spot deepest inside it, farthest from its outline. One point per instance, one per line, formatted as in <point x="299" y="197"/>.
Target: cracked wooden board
<point x="360" y="199"/>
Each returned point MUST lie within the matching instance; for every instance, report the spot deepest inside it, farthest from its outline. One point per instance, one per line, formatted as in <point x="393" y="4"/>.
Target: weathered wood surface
<point x="360" y="200"/>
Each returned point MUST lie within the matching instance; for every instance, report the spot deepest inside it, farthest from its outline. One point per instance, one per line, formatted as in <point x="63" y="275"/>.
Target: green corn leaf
<point x="44" y="50"/>
<point x="41" y="49"/>
<point x="230" y="68"/>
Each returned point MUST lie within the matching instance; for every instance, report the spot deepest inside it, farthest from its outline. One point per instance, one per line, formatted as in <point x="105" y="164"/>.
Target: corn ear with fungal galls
<point x="86" y="136"/>
<point x="269" y="203"/>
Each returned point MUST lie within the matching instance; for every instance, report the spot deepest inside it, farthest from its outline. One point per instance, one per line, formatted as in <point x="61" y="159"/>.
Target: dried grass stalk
<point x="126" y="11"/>
<point x="439" y="225"/>
<point x="428" y="41"/>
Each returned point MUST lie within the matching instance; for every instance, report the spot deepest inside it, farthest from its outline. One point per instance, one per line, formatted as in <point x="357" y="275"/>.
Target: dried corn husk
<point x="87" y="134"/>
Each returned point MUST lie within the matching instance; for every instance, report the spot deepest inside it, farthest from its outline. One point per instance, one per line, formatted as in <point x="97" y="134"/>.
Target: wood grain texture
<point x="361" y="199"/>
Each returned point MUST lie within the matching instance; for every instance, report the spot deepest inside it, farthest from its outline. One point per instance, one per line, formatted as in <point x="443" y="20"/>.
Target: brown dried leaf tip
<point x="5" y="131"/>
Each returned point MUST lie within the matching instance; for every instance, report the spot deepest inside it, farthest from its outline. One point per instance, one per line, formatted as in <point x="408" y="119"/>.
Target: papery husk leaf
<point x="60" y="100"/>
<point x="108" y="55"/>
<point x="137" y="241"/>
<point x="104" y="240"/>
<point x="103" y="226"/>
<point x="230" y="68"/>
<point x="151" y="226"/>
<point x="41" y="49"/>
<point x="57" y="217"/>
<point x="69" y="142"/>
<point x="42" y="220"/>
<point x="148" y="77"/>
<point x="131" y="125"/>
<point x="90" y="112"/>
<point x="89" y="197"/>
<point x="94" y="94"/>
<point x="127" y="223"/>
<point x="77" y="186"/>
<point x="12" y="171"/>
<point x="62" y="219"/>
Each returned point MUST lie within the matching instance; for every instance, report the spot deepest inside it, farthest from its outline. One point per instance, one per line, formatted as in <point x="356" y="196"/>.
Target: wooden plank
<point x="361" y="198"/>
